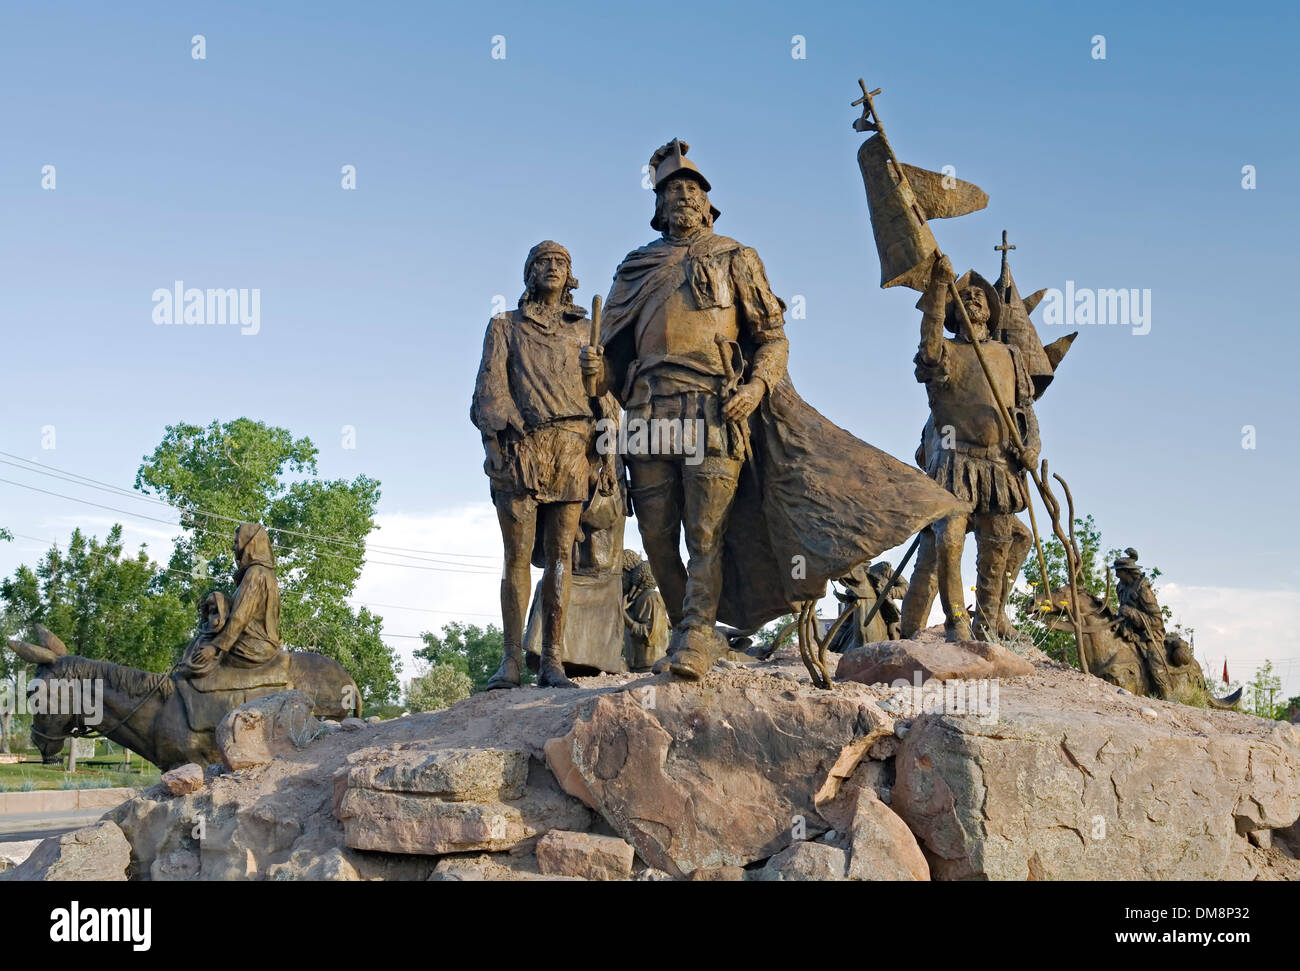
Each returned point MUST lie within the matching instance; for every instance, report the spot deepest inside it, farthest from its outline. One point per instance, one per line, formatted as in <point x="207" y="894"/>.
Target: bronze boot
<point x="693" y="650"/>
<point x="550" y="673"/>
<point x="507" y="675"/>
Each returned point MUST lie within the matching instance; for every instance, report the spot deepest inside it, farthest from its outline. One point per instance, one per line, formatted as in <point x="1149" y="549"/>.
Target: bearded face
<point x="977" y="309"/>
<point x="685" y="206"/>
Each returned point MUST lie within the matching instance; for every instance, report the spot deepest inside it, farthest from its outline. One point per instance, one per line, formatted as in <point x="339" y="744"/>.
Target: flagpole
<point x="870" y="121"/>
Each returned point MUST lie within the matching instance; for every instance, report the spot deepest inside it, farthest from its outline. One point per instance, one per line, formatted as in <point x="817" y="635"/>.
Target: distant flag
<point x="1225" y="670"/>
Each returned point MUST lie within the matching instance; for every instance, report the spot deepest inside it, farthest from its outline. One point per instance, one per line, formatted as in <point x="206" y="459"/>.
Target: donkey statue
<point x="166" y="720"/>
<point x="1114" y="659"/>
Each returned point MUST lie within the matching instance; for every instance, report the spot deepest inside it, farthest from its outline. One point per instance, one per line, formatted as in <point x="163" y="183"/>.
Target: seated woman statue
<point x="251" y="634"/>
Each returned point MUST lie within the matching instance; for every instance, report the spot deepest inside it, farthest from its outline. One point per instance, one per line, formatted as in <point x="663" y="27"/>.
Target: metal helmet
<point x="670" y="160"/>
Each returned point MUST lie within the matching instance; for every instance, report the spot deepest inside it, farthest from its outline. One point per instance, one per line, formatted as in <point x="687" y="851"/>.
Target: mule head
<point x="49" y="729"/>
<point x="1055" y="611"/>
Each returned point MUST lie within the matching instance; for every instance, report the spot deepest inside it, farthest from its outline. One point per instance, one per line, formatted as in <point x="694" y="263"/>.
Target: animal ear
<point x="50" y="642"/>
<point x="33" y="654"/>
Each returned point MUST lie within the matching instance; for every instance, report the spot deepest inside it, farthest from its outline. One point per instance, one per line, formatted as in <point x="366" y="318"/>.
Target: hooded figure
<point x="251" y="635"/>
<point x="214" y="610"/>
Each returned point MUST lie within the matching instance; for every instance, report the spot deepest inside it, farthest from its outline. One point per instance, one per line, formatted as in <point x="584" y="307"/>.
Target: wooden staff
<point x="592" y="380"/>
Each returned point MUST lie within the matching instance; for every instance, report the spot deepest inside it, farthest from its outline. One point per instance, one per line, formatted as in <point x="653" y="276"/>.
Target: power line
<point x="105" y="556"/>
<point x="33" y="466"/>
<point x="168" y="522"/>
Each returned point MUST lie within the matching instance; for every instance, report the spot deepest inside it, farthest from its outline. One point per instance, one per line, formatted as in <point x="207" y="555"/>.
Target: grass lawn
<point x="27" y="776"/>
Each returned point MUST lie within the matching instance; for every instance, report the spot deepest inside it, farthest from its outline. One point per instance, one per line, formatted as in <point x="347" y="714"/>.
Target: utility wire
<point x="33" y="466"/>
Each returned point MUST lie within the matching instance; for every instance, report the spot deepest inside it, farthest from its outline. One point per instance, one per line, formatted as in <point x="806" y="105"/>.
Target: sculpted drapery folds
<point x="246" y="632"/>
<point x="780" y="500"/>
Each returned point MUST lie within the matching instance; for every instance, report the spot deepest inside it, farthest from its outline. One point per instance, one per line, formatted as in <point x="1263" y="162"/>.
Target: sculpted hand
<point x="202" y="659"/>
<point x="744" y="401"/>
<point x="943" y="271"/>
<point x="1027" y="457"/>
<point x="592" y="361"/>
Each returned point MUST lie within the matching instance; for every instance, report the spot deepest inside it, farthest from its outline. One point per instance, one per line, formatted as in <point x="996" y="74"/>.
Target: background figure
<point x="862" y="587"/>
<point x="1141" y="621"/>
<point x="196" y="662"/>
<point x="645" y="636"/>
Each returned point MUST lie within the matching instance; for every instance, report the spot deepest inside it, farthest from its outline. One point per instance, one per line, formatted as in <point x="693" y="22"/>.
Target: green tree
<point x="1263" y="693"/>
<point x="768" y="633"/>
<point x="220" y="475"/>
<point x="1094" y="578"/>
<point x="102" y="603"/>
<point x="437" y="687"/>
<point x="472" y="650"/>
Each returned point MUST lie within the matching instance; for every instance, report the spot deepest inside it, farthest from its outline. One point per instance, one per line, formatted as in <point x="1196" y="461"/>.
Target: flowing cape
<point x="816" y="501"/>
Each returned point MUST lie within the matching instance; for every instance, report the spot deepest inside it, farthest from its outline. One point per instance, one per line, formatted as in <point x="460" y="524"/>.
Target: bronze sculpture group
<point x="771" y="500"/>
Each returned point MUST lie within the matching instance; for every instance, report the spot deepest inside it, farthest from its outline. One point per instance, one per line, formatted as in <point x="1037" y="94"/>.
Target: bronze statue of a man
<point x="688" y="300"/>
<point x="538" y="428"/>
<point x="774" y="500"/>
<point x="972" y="455"/>
<point x="924" y="584"/>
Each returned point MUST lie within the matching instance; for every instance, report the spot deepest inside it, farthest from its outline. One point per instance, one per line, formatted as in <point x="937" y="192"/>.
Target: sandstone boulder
<point x="584" y="855"/>
<point x="929" y="656"/>
<point x="13" y="853"/>
<point x="806" y="861"/>
<point x="183" y="780"/>
<point x="98" y="852"/>
<point x="881" y="847"/>
<point x="258" y="731"/>
<point x="450" y="801"/>
<point x="304" y="864"/>
<point x="489" y="868"/>
<point x="715" y="773"/>
<point x="1081" y="786"/>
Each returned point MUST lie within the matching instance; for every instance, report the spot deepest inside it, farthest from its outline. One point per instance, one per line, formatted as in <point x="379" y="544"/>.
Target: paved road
<point x="37" y="826"/>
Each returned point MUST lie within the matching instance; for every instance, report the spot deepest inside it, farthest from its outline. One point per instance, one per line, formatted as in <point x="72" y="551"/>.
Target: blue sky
<point x="225" y="172"/>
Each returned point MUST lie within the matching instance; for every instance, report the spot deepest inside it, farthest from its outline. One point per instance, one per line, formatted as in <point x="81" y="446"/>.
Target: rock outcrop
<point x="1057" y="789"/>
<point x="719" y="773"/>
<point x="258" y="731"/>
<point x="98" y="852"/>
<point x="749" y="774"/>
